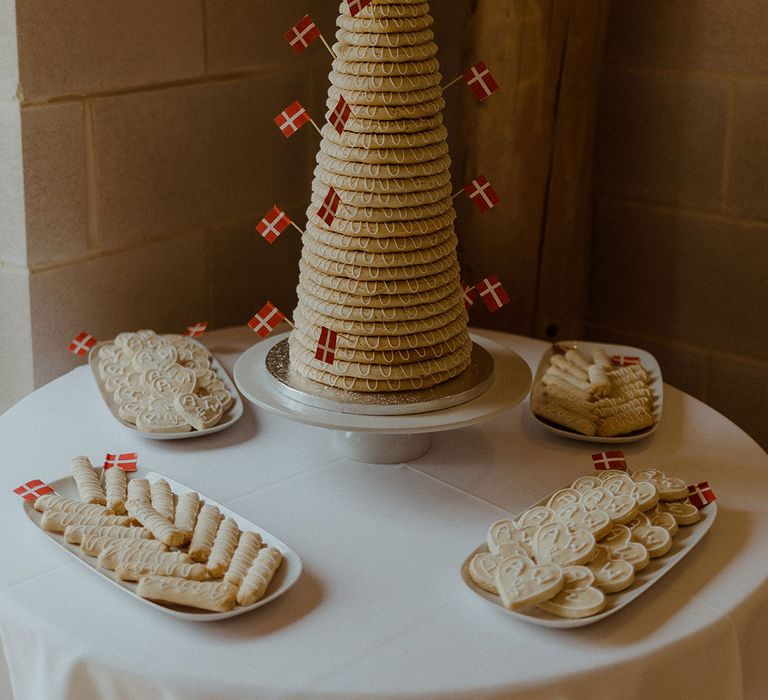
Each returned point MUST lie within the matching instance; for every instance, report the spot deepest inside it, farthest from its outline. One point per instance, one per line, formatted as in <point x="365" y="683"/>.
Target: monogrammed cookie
<point x="619" y="544"/>
<point x="655" y="539"/>
<point x="520" y="582"/>
<point x="507" y="531"/>
<point x="578" y="597"/>
<point x="621" y="508"/>
<point x="684" y="512"/>
<point x="555" y="543"/>
<point x="536" y="516"/>
<point x="576" y="517"/>
<point x="644" y="492"/>
<point x="611" y="574"/>
<point x="201" y="412"/>
<point x="482" y="567"/>
<point x="161" y="417"/>
<point x="669" y="488"/>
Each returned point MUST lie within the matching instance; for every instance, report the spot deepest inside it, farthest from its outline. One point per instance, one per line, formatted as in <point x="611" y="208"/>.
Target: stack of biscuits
<point x="383" y="274"/>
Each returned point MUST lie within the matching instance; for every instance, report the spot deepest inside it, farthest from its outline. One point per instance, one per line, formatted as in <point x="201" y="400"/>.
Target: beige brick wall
<point x="680" y="249"/>
<point x="149" y="154"/>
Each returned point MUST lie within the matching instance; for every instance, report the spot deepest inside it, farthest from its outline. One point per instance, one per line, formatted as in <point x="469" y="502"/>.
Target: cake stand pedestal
<point x="384" y="438"/>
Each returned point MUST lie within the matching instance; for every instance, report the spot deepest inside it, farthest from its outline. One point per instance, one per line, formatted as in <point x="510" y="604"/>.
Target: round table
<point x="381" y="609"/>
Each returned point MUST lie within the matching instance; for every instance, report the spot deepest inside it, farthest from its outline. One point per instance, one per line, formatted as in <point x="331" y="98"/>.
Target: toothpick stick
<point x="327" y="46"/>
<point x="317" y="128"/>
<point x="459" y="193"/>
<point x="453" y="82"/>
<point x="297" y="228"/>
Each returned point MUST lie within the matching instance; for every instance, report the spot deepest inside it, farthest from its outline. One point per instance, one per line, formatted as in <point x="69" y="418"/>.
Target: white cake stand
<point x="385" y="439"/>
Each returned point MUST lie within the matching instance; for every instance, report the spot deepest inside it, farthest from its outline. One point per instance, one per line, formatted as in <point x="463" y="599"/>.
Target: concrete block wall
<point x="149" y="154"/>
<point x="680" y="248"/>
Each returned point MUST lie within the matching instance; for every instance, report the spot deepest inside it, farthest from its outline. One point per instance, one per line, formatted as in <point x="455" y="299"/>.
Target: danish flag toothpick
<point x="700" y="494"/>
<point x="339" y="117"/>
<point x="480" y="80"/>
<point x="302" y="34"/>
<point x="610" y="460"/>
<point x="32" y="489"/>
<point x="196" y="329"/>
<point x="356" y="5"/>
<point x="82" y="344"/>
<point x="292" y="118"/>
<point x="266" y="320"/>
<point x="326" y="346"/>
<point x="625" y="360"/>
<point x="126" y="461"/>
<point x="470" y="295"/>
<point x="329" y="207"/>
<point x="492" y="293"/>
<point x="483" y="196"/>
<point x="274" y="223"/>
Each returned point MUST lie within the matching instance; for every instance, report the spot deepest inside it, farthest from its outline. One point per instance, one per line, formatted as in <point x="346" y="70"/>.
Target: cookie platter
<point x="683" y="541"/>
<point x="230" y="416"/>
<point x="284" y="578"/>
<point x="646" y="360"/>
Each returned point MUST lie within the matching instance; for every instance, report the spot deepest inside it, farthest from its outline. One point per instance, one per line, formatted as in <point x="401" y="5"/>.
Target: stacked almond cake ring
<point x="383" y="272"/>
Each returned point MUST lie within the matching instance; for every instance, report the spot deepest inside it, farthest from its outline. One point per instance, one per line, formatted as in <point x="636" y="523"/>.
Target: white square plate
<point x="228" y="419"/>
<point x="648" y="361"/>
<point x="285" y="576"/>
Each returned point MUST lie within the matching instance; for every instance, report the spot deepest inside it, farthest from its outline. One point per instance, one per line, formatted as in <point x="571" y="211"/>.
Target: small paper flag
<point x="196" y="329"/>
<point x="302" y="34"/>
<point x="32" y="489"/>
<point x="340" y="115"/>
<point x="481" y="81"/>
<point x="330" y="206"/>
<point x="266" y="320"/>
<point x="609" y="460"/>
<point x="292" y="118"/>
<point x="127" y="461"/>
<point x="356" y="5"/>
<point x="470" y="295"/>
<point x="700" y="494"/>
<point x="82" y="344"/>
<point x="482" y="194"/>
<point x="326" y="347"/>
<point x="492" y="293"/>
<point x="625" y="360"/>
<point x="273" y="224"/>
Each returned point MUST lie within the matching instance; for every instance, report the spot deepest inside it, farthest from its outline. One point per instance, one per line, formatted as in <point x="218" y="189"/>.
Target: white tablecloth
<point x="381" y="608"/>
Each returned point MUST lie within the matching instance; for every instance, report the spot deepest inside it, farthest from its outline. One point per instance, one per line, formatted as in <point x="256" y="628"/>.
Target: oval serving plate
<point x="285" y="577"/>
<point x="230" y="417"/>
<point x="647" y="360"/>
<point x="686" y="538"/>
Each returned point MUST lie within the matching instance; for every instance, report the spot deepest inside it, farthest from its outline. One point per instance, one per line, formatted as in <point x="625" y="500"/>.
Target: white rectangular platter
<point x="683" y="542"/>
<point x="285" y="577"/>
<point x="647" y="360"/>
<point x="228" y="419"/>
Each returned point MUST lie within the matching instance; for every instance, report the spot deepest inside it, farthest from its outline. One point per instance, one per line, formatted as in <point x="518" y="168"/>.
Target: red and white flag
<point x="266" y="320"/>
<point x="302" y="34"/>
<point x="326" y="346"/>
<point x="329" y="207"/>
<point x="196" y="329"/>
<point x="625" y="360"/>
<point x="610" y="460"/>
<point x="700" y="494"/>
<point x="356" y="5"/>
<point x="82" y="344"/>
<point x="482" y="194"/>
<point x="492" y="293"/>
<point x="273" y="224"/>
<point x="481" y="81"/>
<point x="32" y="489"/>
<point x="128" y="461"/>
<point x="292" y="118"/>
<point x="470" y="295"/>
<point x="340" y="115"/>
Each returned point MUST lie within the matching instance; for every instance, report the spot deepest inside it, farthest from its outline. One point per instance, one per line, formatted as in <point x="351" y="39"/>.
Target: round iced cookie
<point x="378" y="69"/>
<point x="385" y="229"/>
<point x="385" y="83"/>
<point x="350" y="139"/>
<point x="413" y="98"/>
<point x="381" y="245"/>
<point x="395" y="40"/>
<point x="394" y="156"/>
<point x="364" y="272"/>
<point x="383" y="186"/>
<point x="381" y="25"/>
<point x="386" y="172"/>
<point x="384" y="9"/>
<point x="400" y="112"/>
<point x="350" y="213"/>
<point x="365" y="125"/>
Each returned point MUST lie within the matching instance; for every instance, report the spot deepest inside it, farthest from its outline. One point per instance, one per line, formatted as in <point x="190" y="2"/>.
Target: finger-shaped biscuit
<point x="131" y="566"/>
<point x="53" y="501"/>
<point x="600" y="358"/>
<point x="111" y="552"/>
<point x="553" y="373"/>
<point x="93" y="544"/>
<point x="56" y="521"/>
<point x="156" y="524"/>
<point x="562" y="364"/>
<point x="598" y="378"/>
<point x="75" y="534"/>
<point x="216" y="596"/>
<point x="247" y="549"/>
<point x="259" y="575"/>
<point x="626" y="422"/>
<point x="186" y="512"/>
<point x="554" y="396"/>
<point x="138" y="491"/>
<point x="561" y="416"/>
<point x="205" y="533"/>
<point x="577" y="359"/>
<point x="162" y="498"/>
<point x="632" y="405"/>
<point x="629" y="375"/>
<point x="87" y="481"/>
<point x="223" y="548"/>
<point x="115" y="485"/>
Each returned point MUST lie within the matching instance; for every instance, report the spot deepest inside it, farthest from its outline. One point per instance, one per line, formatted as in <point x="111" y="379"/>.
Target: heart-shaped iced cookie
<point x="621" y="508"/>
<point x="536" y="516"/>
<point x="644" y="492"/>
<point x="127" y="377"/>
<point x="507" y="532"/>
<point x="161" y="417"/>
<point x="554" y="543"/>
<point x="482" y="567"/>
<point x="578" y="597"/>
<point x="611" y="574"/>
<point x="171" y="382"/>
<point x="684" y="512"/>
<point x="586" y="483"/>
<point x="577" y="517"/>
<point x="669" y="488"/>
<point x="563" y="497"/>
<point x="192" y="352"/>
<point x="663" y="519"/>
<point x="155" y="358"/>
<point x="201" y="412"/>
<point x="129" y="410"/>
<point x="655" y="539"/>
<point x="618" y="543"/>
<point x="520" y="582"/>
